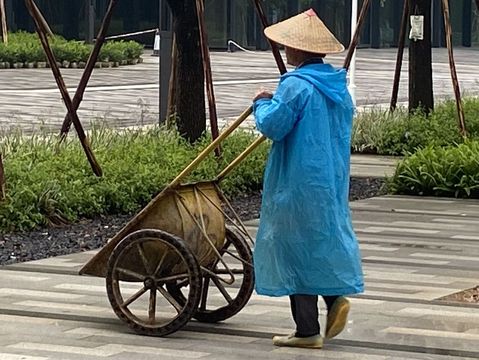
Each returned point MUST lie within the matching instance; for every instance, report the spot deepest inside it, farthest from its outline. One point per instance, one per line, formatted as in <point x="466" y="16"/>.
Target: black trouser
<point x="305" y="313"/>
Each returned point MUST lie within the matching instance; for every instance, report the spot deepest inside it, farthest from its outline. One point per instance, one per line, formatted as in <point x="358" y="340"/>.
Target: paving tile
<point x="398" y="315"/>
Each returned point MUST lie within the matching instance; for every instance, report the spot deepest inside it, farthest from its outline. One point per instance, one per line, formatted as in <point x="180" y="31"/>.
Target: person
<point x="305" y="244"/>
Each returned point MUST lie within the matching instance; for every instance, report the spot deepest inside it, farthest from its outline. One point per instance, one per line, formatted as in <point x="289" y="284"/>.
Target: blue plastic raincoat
<point x="305" y="242"/>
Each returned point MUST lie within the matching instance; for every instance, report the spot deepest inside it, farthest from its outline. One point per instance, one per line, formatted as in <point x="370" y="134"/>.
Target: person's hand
<point x="263" y="94"/>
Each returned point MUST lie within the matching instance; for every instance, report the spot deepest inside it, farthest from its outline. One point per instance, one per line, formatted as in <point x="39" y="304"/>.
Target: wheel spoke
<point x="134" y="297"/>
<point x="227" y="272"/>
<point x="160" y="263"/>
<point x="143" y="257"/>
<point x="152" y="306"/>
<point x="183" y="283"/>
<point x="131" y="273"/>
<point x="170" y="299"/>
<point x="204" y="293"/>
<point x="172" y="277"/>
<point x="223" y="291"/>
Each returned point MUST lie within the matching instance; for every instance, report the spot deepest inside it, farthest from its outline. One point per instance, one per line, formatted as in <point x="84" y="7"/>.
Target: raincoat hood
<point x="331" y="82"/>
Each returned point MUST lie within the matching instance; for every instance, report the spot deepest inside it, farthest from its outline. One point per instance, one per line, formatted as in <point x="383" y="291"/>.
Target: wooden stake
<point x="400" y="54"/>
<point x="452" y="66"/>
<point x="3" y="21"/>
<point x="100" y="40"/>
<point x="42" y="22"/>
<point x="200" y="10"/>
<point x="355" y="40"/>
<point x="63" y="89"/>
<point x="2" y="180"/>
<point x="274" y="46"/>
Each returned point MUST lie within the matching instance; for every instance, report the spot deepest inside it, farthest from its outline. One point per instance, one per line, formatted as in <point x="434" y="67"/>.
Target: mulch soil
<point x="470" y="296"/>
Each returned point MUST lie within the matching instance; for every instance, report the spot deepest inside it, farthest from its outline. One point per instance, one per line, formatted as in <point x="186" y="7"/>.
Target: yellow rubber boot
<point x="311" y="342"/>
<point x="337" y="317"/>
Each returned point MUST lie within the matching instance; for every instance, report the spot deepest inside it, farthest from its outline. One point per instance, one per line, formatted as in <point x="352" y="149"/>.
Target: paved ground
<point x="415" y="251"/>
<point x="129" y="95"/>
<point x="372" y="165"/>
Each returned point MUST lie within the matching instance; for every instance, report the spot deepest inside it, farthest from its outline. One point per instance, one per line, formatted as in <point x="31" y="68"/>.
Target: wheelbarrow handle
<point x="194" y="164"/>
<point x="240" y="158"/>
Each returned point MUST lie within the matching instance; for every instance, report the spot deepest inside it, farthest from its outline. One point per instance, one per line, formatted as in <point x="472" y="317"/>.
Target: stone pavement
<point x="415" y="251"/>
<point x="373" y="165"/>
<point x="128" y="96"/>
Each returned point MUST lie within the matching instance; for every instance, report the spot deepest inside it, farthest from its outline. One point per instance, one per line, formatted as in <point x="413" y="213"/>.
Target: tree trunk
<point x="420" y="61"/>
<point x="190" y="93"/>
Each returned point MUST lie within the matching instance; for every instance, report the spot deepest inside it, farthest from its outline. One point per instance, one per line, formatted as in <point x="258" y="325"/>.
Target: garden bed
<point x="25" y="51"/>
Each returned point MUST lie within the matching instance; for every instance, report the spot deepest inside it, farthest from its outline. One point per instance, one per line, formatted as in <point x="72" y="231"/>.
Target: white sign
<point x="417" y="28"/>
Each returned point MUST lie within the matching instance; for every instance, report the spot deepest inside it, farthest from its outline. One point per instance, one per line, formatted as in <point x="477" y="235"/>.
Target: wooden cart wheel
<point x="222" y="301"/>
<point x="139" y="268"/>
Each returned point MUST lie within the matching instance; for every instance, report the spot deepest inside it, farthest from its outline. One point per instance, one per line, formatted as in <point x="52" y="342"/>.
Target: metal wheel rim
<point x="121" y="305"/>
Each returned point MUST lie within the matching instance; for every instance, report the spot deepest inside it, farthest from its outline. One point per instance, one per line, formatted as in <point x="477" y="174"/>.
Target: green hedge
<point x="46" y="185"/>
<point x="439" y="171"/>
<point x="380" y="132"/>
<point x="24" y="50"/>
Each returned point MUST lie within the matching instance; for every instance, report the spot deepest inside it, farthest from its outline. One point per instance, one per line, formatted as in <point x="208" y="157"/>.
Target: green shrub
<point x="26" y="48"/>
<point x="47" y="186"/>
<point x="378" y="131"/>
<point x="439" y="171"/>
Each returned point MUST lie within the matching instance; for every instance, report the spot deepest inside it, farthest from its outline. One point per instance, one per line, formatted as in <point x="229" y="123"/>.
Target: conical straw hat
<point x="304" y="32"/>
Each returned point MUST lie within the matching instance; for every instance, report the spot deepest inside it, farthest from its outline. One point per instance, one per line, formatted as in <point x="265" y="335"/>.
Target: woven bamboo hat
<point x="304" y="32"/>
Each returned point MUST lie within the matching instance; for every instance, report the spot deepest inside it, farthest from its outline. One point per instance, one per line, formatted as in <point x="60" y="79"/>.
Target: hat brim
<point x="305" y="32"/>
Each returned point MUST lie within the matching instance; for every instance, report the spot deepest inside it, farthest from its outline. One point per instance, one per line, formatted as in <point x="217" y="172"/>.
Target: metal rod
<point x="400" y="54"/>
<point x="214" y="144"/>
<point x="207" y="238"/>
<point x="63" y="89"/>
<point x="352" y="70"/>
<point x="452" y="66"/>
<point x="77" y="99"/>
<point x="228" y="204"/>
<point x="131" y="34"/>
<point x="205" y="52"/>
<point x="238" y="224"/>
<point x="274" y="46"/>
<point x="355" y="40"/>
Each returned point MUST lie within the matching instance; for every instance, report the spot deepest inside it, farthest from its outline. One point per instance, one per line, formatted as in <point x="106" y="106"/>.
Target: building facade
<point x="237" y="20"/>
